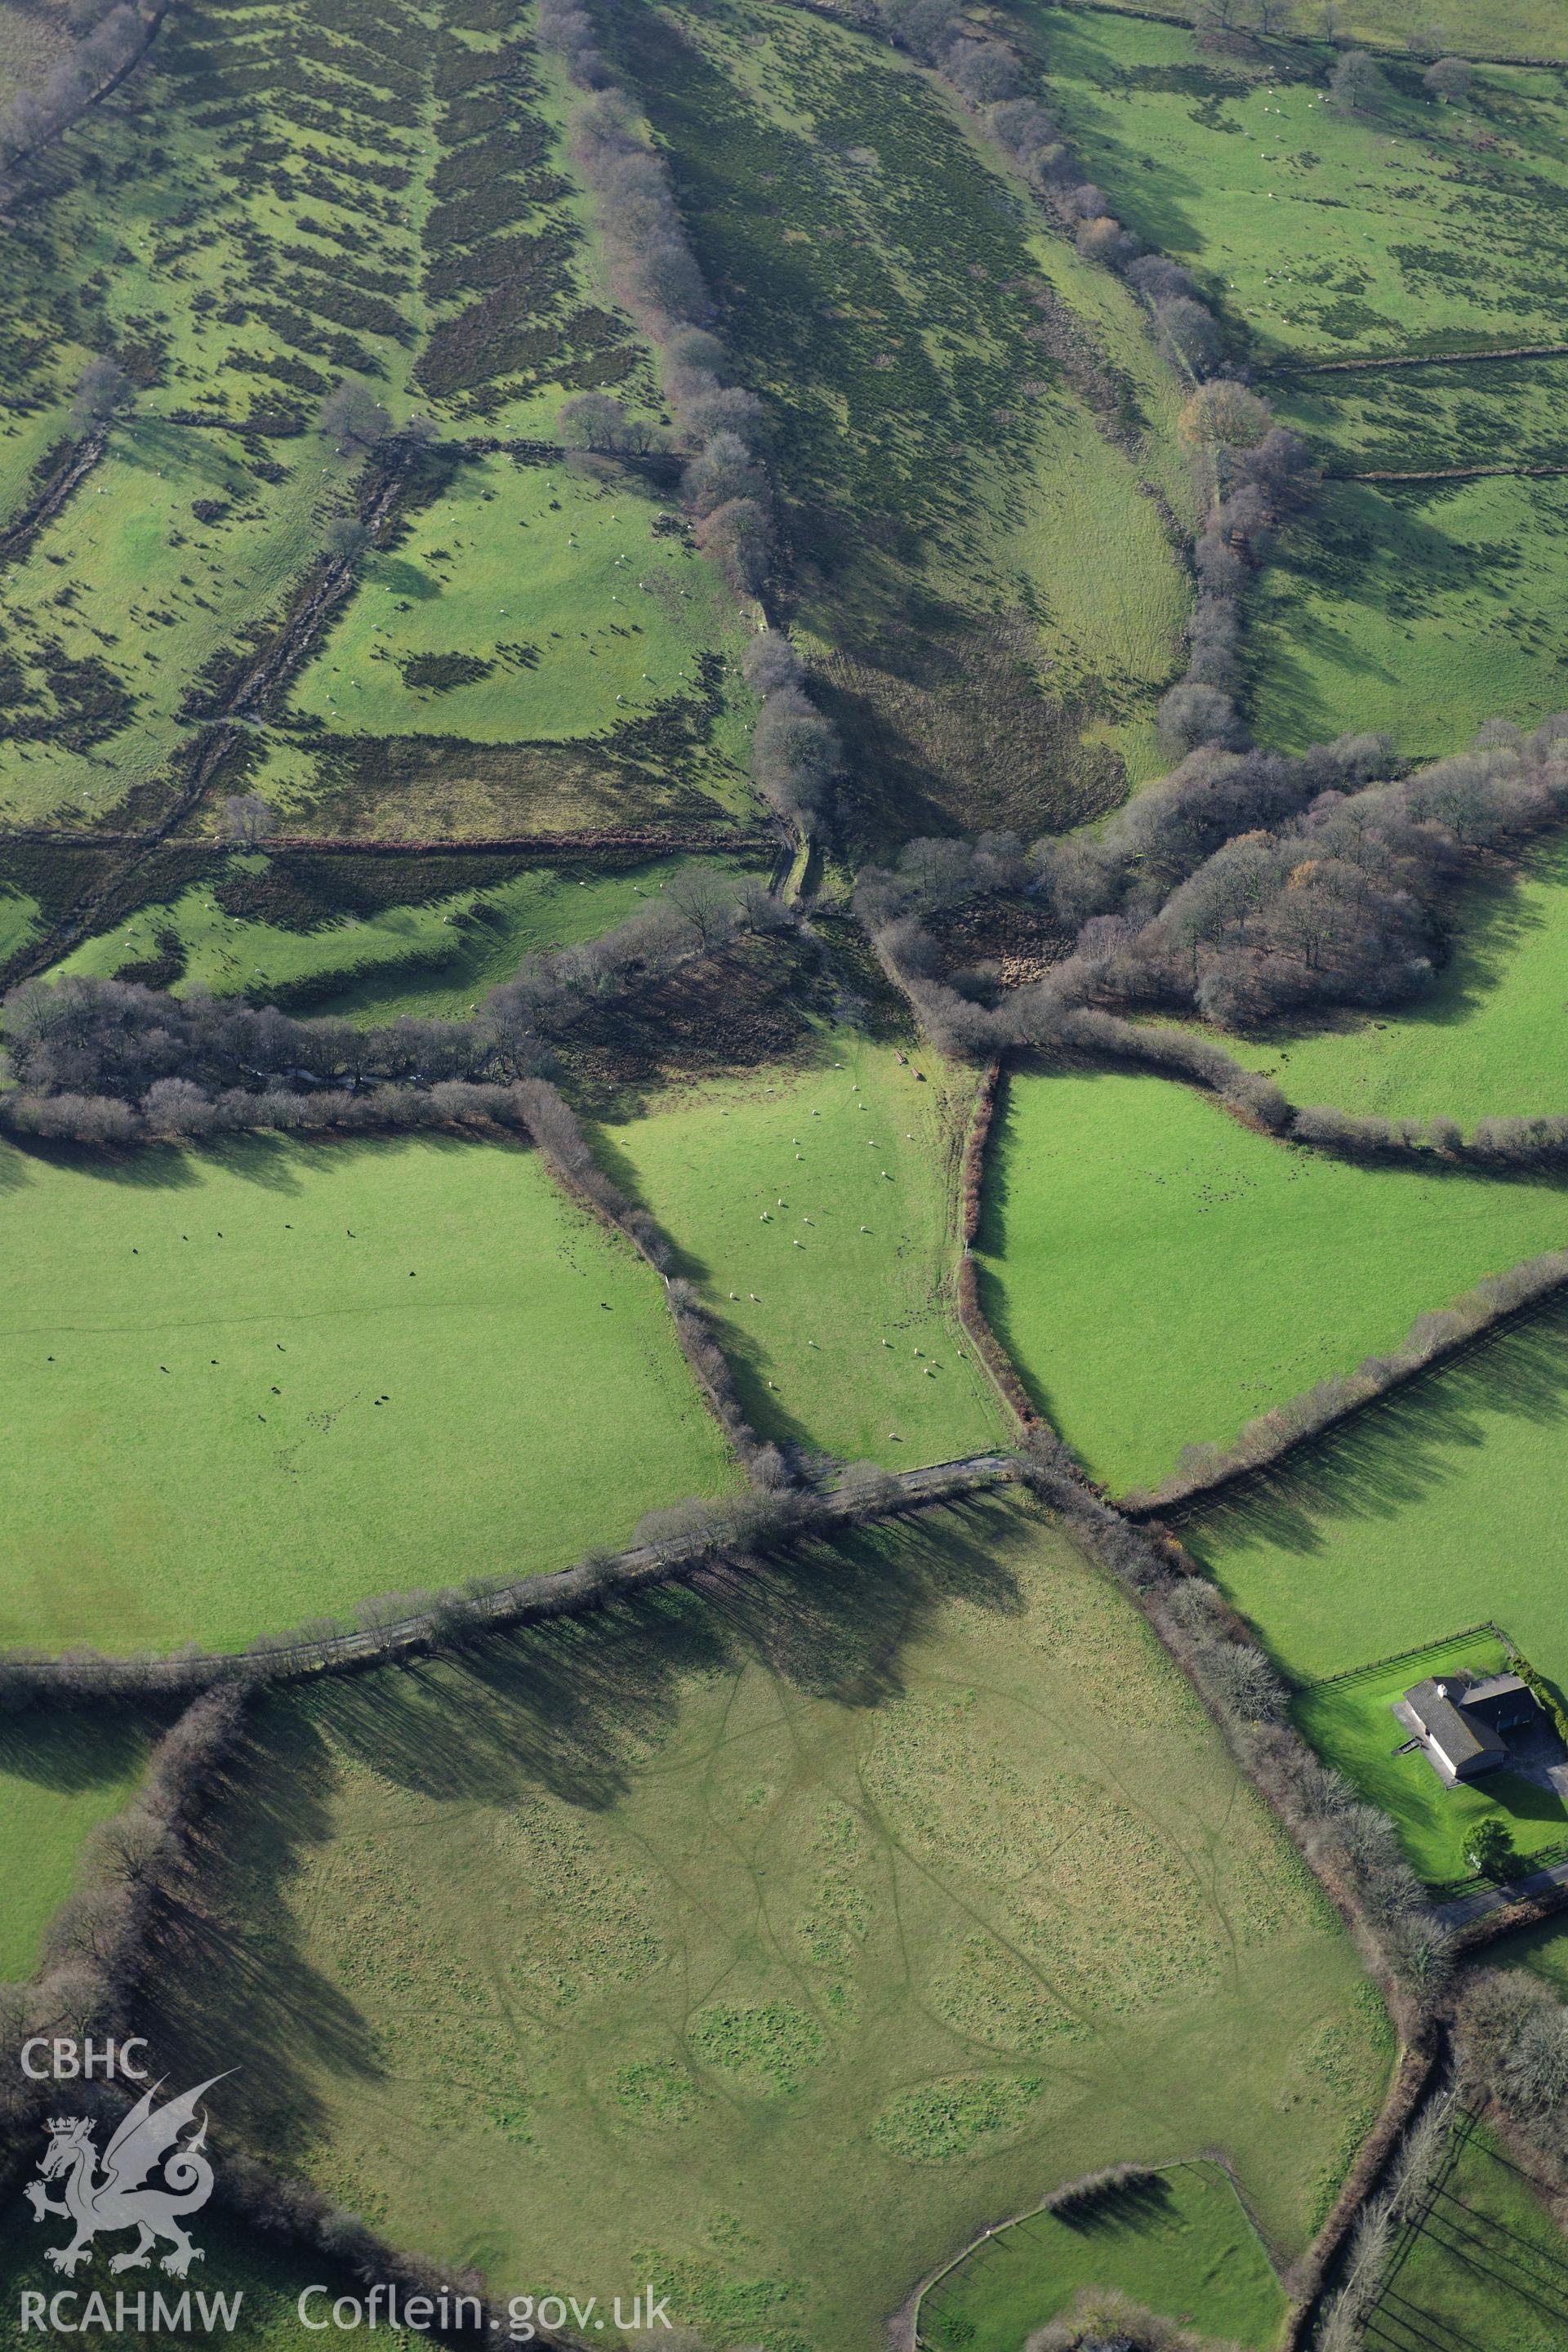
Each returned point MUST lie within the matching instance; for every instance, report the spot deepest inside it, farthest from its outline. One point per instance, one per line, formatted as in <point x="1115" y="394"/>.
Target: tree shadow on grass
<point x="147" y="1167"/>
<point x="226" y="1986"/>
<point x="70" y="1751"/>
<point x="404" y="578"/>
<point x="1393" y="1454"/>
<point x="1491" y="923"/>
<point x="576" y="1707"/>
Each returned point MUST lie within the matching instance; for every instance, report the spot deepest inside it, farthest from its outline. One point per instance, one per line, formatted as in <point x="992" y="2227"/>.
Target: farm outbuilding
<point x="1460" y="1720"/>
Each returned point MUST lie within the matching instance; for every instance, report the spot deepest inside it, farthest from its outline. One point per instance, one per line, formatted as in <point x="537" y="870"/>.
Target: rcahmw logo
<point x="150" y="2177"/>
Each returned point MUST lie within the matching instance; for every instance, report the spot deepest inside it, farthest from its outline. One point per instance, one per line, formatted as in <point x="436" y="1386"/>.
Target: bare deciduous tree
<point x="247" y="818"/>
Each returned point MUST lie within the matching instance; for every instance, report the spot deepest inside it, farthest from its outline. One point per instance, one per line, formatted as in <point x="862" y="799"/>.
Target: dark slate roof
<point x="1495" y="1686"/>
<point x="1460" y="1739"/>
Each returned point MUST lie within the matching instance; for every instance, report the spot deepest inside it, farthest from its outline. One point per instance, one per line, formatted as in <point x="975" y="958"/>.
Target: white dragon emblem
<point x="121" y="2199"/>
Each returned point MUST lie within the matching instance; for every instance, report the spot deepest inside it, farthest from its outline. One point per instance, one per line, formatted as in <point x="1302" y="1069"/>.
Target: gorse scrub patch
<point x="654" y="2094"/>
<point x="684" y="1883"/>
<point x="767" y="2048"/>
<point x="944" y="2121"/>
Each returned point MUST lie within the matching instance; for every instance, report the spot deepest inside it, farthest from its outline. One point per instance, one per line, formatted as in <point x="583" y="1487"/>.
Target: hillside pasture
<point x="813" y="1208"/>
<point x="936" y="367"/>
<point x="600" y="625"/>
<point x="1508" y="412"/>
<point x="254" y="1385"/>
<point x="1438" y="1508"/>
<point x="130" y="594"/>
<point x="1349" y="1722"/>
<point x="1418" y="610"/>
<point x="1160" y="1274"/>
<point x="60" y="1776"/>
<point x="1483" y="1043"/>
<point x="1179" y="2243"/>
<point x="1424" y="228"/>
<point x="764" y="1939"/>
<point x="1487" y="28"/>
<point x="433" y="955"/>
<point x="280" y="201"/>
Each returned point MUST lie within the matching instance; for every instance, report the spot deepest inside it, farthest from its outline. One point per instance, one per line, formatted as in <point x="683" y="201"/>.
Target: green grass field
<point x="1512" y="29"/>
<point x="19" y="922"/>
<point x="1483" y="1043"/>
<point x="992" y="595"/>
<point x="1421" y="609"/>
<point x="127" y="597"/>
<point x="1160" y="1274"/>
<point x="1181" y="2244"/>
<point x="435" y="960"/>
<point x="1433" y="1510"/>
<point x="462" y="584"/>
<point x="1485" y="2266"/>
<point x="1418" y="612"/>
<point x="849" y="1342"/>
<point x="1350" y="1724"/>
<point x="1542" y="1950"/>
<point x="1494" y="412"/>
<point x="764" y="1942"/>
<point x="60" y="1775"/>
<point x="1426" y="228"/>
<point x="475" y="1380"/>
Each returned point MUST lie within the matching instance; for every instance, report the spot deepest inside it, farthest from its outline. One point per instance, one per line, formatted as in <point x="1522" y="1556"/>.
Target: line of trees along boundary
<point x="1436" y="1339"/>
<point x="1308" y="363"/>
<point x="554" y="1128"/>
<point x="99" y="1948"/>
<point x="398" y="1630"/>
<point x="998" y="1365"/>
<point x="1305" y="41"/>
